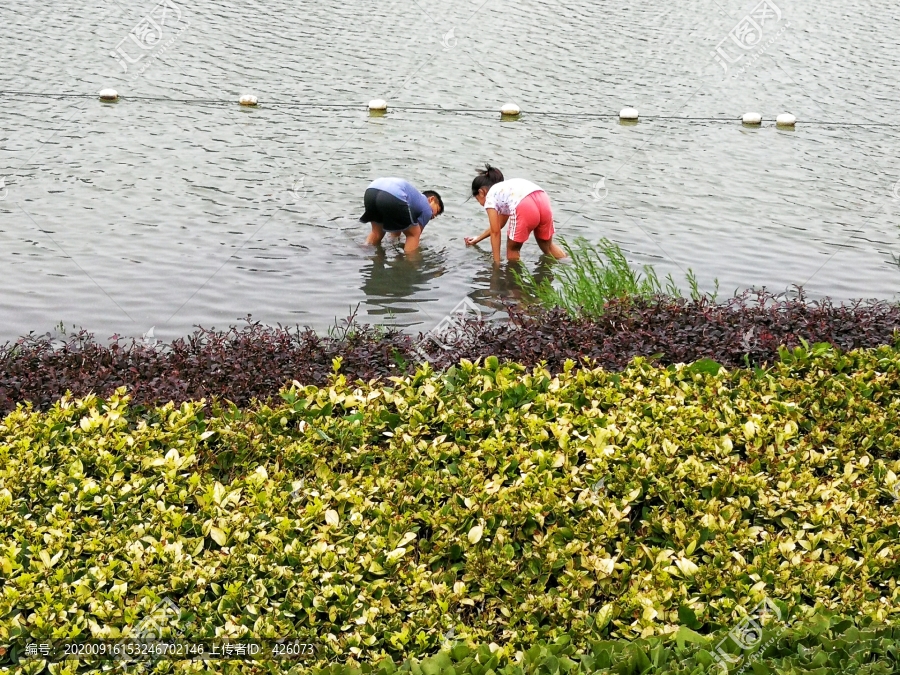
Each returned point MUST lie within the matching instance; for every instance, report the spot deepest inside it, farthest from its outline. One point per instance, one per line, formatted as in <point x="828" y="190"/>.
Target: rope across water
<point x="627" y="114"/>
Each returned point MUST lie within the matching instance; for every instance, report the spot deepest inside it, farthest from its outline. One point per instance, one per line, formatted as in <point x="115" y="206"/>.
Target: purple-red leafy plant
<point x="255" y="361"/>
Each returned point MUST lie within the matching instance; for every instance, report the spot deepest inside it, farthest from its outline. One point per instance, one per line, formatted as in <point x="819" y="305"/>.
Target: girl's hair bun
<point x="488" y="176"/>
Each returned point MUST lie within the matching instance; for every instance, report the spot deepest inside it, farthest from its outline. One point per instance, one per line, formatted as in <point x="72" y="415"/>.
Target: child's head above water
<point x="437" y="204"/>
<point x="486" y="178"/>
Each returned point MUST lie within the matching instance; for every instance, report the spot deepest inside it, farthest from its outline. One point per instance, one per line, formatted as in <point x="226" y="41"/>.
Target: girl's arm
<point x="471" y="241"/>
<point x="494" y="219"/>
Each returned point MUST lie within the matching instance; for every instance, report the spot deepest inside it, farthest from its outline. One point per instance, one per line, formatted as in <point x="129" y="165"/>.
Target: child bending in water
<point x="394" y="205"/>
<point x="520" y="202"/>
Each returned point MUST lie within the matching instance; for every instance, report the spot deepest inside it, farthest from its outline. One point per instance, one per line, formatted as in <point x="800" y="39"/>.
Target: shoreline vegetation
<point x="595" y="521"/>
<point x="599" y="312"/>
<point x="254" y="361"/>
<point x="618" y="480"/>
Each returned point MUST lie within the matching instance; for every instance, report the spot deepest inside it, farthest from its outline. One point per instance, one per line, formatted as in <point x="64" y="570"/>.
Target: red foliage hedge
<point x="255" y="361"/>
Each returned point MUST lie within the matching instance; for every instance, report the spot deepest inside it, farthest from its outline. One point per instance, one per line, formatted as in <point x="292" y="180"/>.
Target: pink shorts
<point x="533" y="214"/>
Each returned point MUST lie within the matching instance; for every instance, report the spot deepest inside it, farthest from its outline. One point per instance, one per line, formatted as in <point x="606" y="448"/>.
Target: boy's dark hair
<point x="432" y="193"/>
<point x="486" y="178"/>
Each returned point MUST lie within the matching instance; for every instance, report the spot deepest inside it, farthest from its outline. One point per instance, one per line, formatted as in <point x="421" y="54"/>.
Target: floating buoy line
<point x="752" y="118"/>
<point x="785" y="120"/>
<point x="509" y="111"/>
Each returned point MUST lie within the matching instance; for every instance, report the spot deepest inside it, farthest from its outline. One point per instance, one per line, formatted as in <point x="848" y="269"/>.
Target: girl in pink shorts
<point x="521" y="203"/>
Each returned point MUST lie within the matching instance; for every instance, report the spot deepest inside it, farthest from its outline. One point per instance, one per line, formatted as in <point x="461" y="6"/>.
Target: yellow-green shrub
<point x="373" y="519"/>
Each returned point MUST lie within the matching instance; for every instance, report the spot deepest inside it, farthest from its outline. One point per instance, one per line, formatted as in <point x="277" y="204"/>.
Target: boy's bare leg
<point x="512" y="249"/>
<point x="548" y="247"/>
<point x="376" y="235"/>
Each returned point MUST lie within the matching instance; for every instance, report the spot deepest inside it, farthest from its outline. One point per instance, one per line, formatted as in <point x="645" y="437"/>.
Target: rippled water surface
<point x="170" y="209"/>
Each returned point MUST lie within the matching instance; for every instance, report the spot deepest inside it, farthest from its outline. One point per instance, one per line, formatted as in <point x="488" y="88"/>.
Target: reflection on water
<point x="396" y="283"/>
<point x="498" y="286"/>
<point x="393" y="277"/>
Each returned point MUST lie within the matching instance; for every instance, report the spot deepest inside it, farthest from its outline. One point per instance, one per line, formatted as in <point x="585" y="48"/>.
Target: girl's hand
<point x="469" y="241"/>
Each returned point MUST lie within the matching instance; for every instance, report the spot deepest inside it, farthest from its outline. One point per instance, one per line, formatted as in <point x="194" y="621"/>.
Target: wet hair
<point x="486" y="178"/>
<point x="432" y="193"/>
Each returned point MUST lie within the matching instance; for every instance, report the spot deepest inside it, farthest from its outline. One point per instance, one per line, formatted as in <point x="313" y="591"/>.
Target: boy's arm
<point x="423" y="215"/>
<point x="412" y="239"/>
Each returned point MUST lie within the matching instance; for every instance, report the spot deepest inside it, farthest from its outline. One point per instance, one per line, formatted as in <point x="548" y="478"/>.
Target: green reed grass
<point x="594" y="275"/>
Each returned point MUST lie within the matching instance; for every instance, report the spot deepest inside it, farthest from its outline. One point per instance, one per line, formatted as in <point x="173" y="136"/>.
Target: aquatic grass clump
<point x="491" y="502"/>
<point x="594" y="275"/>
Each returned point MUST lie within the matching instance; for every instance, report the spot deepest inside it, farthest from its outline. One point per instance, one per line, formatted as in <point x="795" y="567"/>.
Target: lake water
<point x="185" y="211"/>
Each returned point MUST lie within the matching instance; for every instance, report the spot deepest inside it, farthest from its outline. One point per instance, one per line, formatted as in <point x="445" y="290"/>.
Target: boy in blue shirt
<point x="394" y="205"/>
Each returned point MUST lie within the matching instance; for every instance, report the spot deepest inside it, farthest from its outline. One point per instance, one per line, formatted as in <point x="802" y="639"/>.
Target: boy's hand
<point x="470" y="241"/>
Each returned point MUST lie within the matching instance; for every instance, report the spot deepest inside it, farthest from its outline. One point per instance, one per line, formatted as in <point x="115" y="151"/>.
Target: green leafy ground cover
<point x="823" y="646"/>
<point x="487" y="504"/>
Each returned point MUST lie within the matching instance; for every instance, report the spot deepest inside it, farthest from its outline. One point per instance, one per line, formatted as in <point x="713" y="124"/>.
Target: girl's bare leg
<point x="549" y="248"/>
<point x="512" y="249"/>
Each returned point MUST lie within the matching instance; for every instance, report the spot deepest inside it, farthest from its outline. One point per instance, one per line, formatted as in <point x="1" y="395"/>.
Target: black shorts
<point x="387" y="210"/>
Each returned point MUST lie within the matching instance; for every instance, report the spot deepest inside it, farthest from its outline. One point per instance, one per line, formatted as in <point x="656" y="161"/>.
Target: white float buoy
<point x="510" y="110"/>
<point x="248" y="99"/>
<point x="378" y="104"/>
<point x="785" y="120"/>
<point x="109" y="95"/>
<point x="752" y="118"/>
<point x="628" y="114"/>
